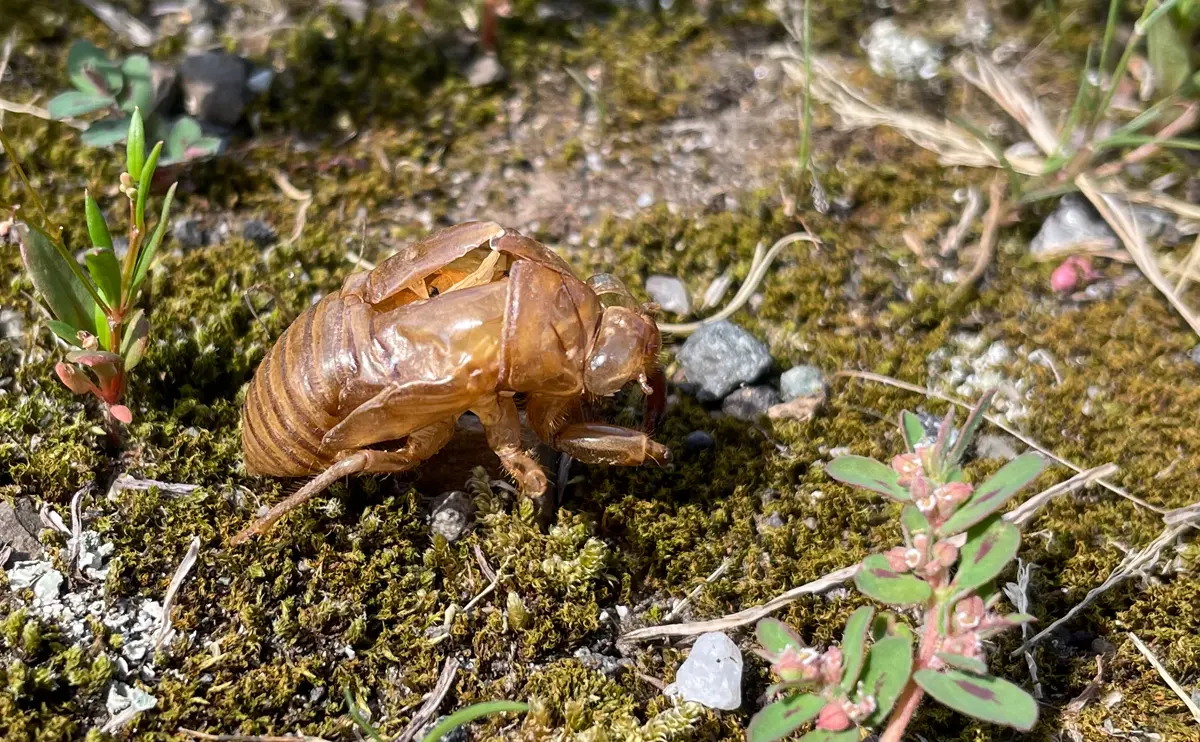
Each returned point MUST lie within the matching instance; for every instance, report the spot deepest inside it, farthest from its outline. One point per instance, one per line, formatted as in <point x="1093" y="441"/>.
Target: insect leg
<point x="502" y="425"/>
<point x="420" y="445"/>
<point x="599" y="443"/>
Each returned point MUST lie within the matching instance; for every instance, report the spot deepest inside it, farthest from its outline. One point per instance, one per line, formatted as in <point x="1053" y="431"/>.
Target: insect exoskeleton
<point x="374" y="377"/>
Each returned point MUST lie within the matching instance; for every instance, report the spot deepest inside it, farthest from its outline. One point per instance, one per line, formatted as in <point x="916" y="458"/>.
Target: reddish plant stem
<point x="910" y="697"/>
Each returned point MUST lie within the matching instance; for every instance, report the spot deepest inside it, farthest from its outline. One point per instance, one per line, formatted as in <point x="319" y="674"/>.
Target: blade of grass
<point x="359" y="719"/>
<point x="1058" y="159"/>
<point x="1139" y="139"/>
<point x="1145" y="118"/>
<point x="1139" y="31"/>
<point x="469" y="714"/>
<point x="1110" y="28"/>
<point x="806" y="133"/>
<point x="1014" y="181"/>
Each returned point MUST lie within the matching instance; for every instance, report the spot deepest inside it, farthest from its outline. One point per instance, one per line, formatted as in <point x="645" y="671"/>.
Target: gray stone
<point x="801" y="381"/>
<point x="484" y="70"/>
<point x="720" y="357"/>
<point x="896" y="53"/>
<point x="670" y="293"/>
<point x="712" y="673"/>
<point x="993" y="446"/>
<point x="13" y="533"/>
<point x="750" y="402"/>
<point x="1076" y="221"/>
<point x="122" y="697"/>
<point x="12" y="324"/>
<point x="190" y="232"/>
<point x="214" y="87"/>
<point x="452" y="515"/>
<point x="259" y="232"/>
<point x="1195" y="355"/>
<point x="47" y="587"/>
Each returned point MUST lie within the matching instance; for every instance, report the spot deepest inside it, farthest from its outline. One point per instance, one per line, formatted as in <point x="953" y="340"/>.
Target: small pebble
<point x="646" y="200"/>
<point x="485" y="70"/>
<point x="697" y="442"/>
<point x="214" y="87"/>
<point x="1195" y="355"/>
<point x="750" y="402"/>
<point x="259" y="232"/>
<point x="670" y="293"/>
<point x="190" y="232"/>
<point x="899" y="54"/>
<point x="452" y="515"/>
<point x="712" y="673"/>
<point x="802" y="381"/>
<point x="720" y="357"/>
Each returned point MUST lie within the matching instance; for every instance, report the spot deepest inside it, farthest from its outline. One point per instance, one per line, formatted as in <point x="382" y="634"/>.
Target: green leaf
<point x="995" y="492"/>
<point x="356" y="714"/>
<point x="859" y="471"/>
<point x="854" y="640"/>
<point x="144" y="184"/>
<point x="75" y="103"/>
<point x="777" y="720"/>
<point x="776" y="636"/>
<point x="147" y="257"/>
<point x="876" y="579"/>
<point x="69" y="334"/>
<point x="97" y="227"/>
<point x="69" y="301"/>
<point x="184" y="133"/>
<point x="1169" y="56"/>
<point x="91" y="71"/>
<point x="889" y="663"/>
<point x="103" y="331"/>
<point x="106" y="133"/>
<point x="139" y="85"/>
<point x="983" y="697"/>
<point x="914" y="521"/>
<point x="969" y="664"/>
<point x="824" y="735"/>
<point x="970" y="428"/>
<point x="990" y="546"/>
<point x="106" y="272"/>
<point x="135" y="146"/>
<point x="914" y="431"/>
<point x="470" y="714"/>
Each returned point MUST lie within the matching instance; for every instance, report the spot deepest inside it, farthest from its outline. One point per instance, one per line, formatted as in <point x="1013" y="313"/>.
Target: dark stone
<point x="15" y="532"/>
<point x="720" y="357"/>
<point x="214" y="87"/>
<point x="259" y="232"/>
<point x="750" y="402"/>
<point x="697" y="441"/>
<point x="190" y="232"/>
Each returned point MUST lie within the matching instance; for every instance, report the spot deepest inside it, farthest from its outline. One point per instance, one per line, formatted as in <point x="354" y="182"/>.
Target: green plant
<point x="1169" y="45"/>
<point x="120" y="88"/>
<point x="445" y="726"/>
<point x="955" y="545"/>
<point x="95" y="310"/>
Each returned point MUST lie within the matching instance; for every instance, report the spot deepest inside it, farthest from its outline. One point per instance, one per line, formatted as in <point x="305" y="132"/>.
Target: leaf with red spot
<point x="781" y="718"/>
<point x="914" y="431"/>
<point x="876" y="579"/>
<point x="889" y="664"/>
<point x="981" y="696"/>
<point x="776" y="636"/>
<point x="994" y="493"/>
<point x="859" y="471"/>
<point x="990" y="546"/>
<point x="970" y="428"/>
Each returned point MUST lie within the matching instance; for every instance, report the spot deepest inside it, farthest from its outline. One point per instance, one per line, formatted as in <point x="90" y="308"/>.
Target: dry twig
<point x="720" y="570"/>
<point x="429" y="709"/>
<point x="247" y="737"/>
<point x="1166" y="676"/>
<point x="954" y="237"/>
<point x="181" y="573"/>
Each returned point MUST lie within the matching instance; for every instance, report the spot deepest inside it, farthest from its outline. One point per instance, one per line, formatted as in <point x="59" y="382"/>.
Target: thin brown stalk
<point x="1183" y="123"/>
<point x="247" y="737"/>
<point x="954" y="237"/>
<point x="1166" y="676"/>
<point x="429" y="709"/>
<point x="987" y="242"/>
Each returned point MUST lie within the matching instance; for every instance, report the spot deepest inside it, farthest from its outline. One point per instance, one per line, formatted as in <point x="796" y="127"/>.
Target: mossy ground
<point x="352" y="590"/>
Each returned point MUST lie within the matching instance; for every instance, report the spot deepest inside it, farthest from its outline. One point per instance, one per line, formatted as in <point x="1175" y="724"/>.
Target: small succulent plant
<point x="955" y="545"/>
<point x="95" y="310"/>
<point x="120" y="88"/>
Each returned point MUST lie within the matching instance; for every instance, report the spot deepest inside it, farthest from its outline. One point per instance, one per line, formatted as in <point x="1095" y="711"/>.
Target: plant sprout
<point x="94" y="310"/>
<point x="955" y="545"/>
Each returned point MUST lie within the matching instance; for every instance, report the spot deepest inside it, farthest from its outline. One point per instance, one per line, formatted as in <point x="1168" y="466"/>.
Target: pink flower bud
<point x="122" y="413"/>
<point x="1064" y="278"/>
<point x="898" y="559"/>
<point x="951" y="495"/>
<point x="945" y="554"/>
<point x="913" y="559"/>
<point x="864" y="707"/>
<point x="907" y="465"/>
<point x="968" y="614"/>
<point x="923" y="495"/>
<point x="831" y="666"/>
<point x="833" y="718"/>
<point x="796" y="665"/>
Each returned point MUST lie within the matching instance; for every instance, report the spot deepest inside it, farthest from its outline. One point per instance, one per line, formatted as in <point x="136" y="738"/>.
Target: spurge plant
<point x="94" y="310"/>
<point x="955" y="545"/>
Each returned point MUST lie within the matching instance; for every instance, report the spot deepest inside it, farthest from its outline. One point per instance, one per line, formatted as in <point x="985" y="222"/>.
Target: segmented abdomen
<point x="293" y="399"/>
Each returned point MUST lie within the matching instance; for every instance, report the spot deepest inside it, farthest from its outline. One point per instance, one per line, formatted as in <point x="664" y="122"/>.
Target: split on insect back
<point x="95" y="311"/>
<point x="374" y="377"/>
